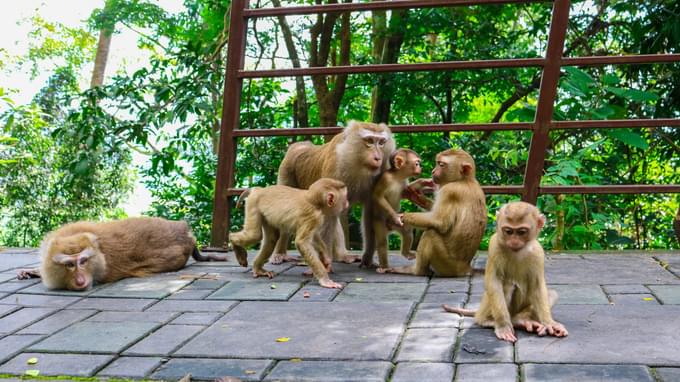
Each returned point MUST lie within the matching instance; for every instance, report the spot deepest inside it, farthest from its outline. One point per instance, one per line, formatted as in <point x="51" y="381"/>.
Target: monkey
<point x="272" y="210"/>
<point x="77" y="255"/>
<point x="356" y="156"/>
<point x="454" y="227"/>
<point x="387" y="194"/>
<point x="515" y="293"/>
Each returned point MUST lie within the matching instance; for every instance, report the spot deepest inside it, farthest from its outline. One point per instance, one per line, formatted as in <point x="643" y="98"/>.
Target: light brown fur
<point x="350" y="157"/>
<point x="387" y="195"/>
<point x="114" y="250"/>
<point x="454" y="227"/>
<point x="273" y="210"/>
<point x="515" y="292"/>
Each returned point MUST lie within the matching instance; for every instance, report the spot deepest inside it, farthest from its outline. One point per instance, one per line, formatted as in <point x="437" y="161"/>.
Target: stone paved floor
<point x="213" y="319"/>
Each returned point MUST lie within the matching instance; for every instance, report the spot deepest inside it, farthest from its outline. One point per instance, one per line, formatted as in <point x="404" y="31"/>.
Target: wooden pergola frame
<point x="543" y="123"/>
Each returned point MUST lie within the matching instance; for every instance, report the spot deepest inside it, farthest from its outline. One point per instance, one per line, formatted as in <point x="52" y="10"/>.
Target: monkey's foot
<point x="530" y="326"/>
<point x="373" y="265"/>
<point x="24" y="274"/>
<point x="349" y="259"/>
<point x="328" y="283"/>
<point x="556" y="329"/>
<point x="258" y="273"/>
<point x="241" y="255"/>
<point x="506" y="333"/>
<point x="308" y="272"/>
<point x="279" y="258"/>
<point x="381" y="270"/>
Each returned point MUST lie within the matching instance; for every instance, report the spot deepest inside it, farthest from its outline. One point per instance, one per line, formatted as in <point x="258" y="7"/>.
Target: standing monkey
<point x="454" y="227"/>
<point x="273" y="210"/>
<point x="356" y="157"/>
<point x="515" y="293"/>
<point x="79" y="254"/>
<point x="387" y="194"/>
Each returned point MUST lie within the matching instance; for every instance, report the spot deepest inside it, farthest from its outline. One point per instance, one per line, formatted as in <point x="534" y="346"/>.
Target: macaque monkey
<point x="276" y="209"/>
<point x="454" y="227"/>
<point x="515" y="293"/>
<point x="356" y="157"/>
<point x="387" y="194"/>
<point x="79" y="254"/>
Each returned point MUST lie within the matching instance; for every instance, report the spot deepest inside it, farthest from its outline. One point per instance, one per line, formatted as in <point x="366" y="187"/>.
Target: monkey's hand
<point x="505" y="333"/>
<point x="24" y="274"/>
<point x="424" y="185"/>
<point x="417" y="197"/>
<point x="397" y="219"/>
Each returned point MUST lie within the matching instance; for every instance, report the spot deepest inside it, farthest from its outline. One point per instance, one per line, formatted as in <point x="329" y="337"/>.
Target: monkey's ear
<point x="398" y="161"/>
<point x="466" y="168"/>
<point x="330" y="199"/>
<point x="91" y="237"/>
<point x="540" y="222"/>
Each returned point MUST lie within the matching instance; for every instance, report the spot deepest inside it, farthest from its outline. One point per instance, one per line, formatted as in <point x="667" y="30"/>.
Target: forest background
<point x="67" y="154"/>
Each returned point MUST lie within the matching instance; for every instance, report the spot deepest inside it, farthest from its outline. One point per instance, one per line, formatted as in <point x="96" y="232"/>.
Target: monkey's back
<point x="306" y="162"/>
<point x="464" y="237"/>
<point x="138" y="246"/>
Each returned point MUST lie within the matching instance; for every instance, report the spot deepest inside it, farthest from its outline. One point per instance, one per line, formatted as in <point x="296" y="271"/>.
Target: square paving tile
<point x="330" y="371"/>
<point x="483" y="372"/>
<point x="204" y="319"/>
<point x="57" y="321"/>
<point x="14" y="286"/>
<point x="189" y="294"/>
<point x="34" y="300"/>
<point x="145" y="287"/>
<point x="579" y="294"/>
<point x="449" y="285"/>
<point x="352" y="272"/>
<point x="156" y="317"/>
<point x="210" y="369"/>
<point x="625" y="289"/>
<point x="423" y="371"/>
<point x="433" y="316"/>
<point x="668" y="374"/>
<point x="382" y="292"/>
<point x="80" y="365"/>
<point x="668" y="294"/>
<point x="192" y="306"/>
<point x="609" y="334"/>
<point x="13" y="345"/>
<point x="270" y="290"/>
<point x="601" y="269"/>
<point x="6" y="309"/>
<point x="101" y="337"/>
<point x="445" y="298"/>
<point x="586" y="373"/>
<point x="131" y="367"/>
<point x="114" y="304"/>
<point x="315" y="331"/>
<point x="39" y="288"/>
<point x="482" y="346"/>
<point x="315" y="293"/>
<point x="429" y="345"/>
<point x="23" y="317"/>
<point x="165" y="340"/>
<point x="634" y="299"/>
<point x="10" y="260"/>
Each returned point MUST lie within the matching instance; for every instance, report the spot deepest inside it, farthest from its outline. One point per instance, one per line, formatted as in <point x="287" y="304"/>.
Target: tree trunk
<point x="390" y="41"/>
<point x="558" y="239"/>
<point x="300" y="106"/>
<point x="321" y="33"/>
<point x="102" y="57"/>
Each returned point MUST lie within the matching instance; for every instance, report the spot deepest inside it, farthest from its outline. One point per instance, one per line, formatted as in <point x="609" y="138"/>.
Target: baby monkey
<point x="515" y="293"/>
<point x="304" y="213"/>
<point x="387" y="194"/>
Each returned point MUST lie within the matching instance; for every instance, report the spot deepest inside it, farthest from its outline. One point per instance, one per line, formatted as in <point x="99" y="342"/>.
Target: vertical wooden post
<point x="546" y="101"/>
<point x="231" y="101"/>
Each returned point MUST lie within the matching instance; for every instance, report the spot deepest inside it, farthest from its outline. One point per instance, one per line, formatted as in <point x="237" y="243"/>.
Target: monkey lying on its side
<point x="515" y="293"/>
<point x="79" y="254"/>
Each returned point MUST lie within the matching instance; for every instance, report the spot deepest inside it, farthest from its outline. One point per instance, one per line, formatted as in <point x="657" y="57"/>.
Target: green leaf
<point x="578" y="76"/>
<point x="82" y="166"/>
<point x="32" y="372"/>
<point x="611" y="79"/>
<point x="633" y="94"/>
<point x="629" y="137"/>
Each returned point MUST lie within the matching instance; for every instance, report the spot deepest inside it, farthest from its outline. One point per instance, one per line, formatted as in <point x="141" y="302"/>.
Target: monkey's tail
<point x="243" y="195"/>
<point x="198" y="256"/>
<point x="461" y="311"/>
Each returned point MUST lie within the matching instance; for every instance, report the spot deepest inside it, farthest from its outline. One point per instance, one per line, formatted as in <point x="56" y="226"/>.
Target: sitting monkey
<point x="515" y="293"/>
<point x="304" y="213"/>
<point x="79" y="254"/>
<point x="454" y="227"/>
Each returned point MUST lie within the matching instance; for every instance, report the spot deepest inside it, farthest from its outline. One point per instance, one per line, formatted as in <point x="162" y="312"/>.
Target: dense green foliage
<point x="67" y="154"/>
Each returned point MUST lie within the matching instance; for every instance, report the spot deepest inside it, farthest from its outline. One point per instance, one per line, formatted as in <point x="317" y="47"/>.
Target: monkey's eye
<point x="368" y="142"/>
<point x="508" y="231"/>
<point x="381" y="142"/>
<point x="522" y="231"/>
<point x="440" y="164"/>
<point x="70" y="265"/>
<point x="82" y="261"/>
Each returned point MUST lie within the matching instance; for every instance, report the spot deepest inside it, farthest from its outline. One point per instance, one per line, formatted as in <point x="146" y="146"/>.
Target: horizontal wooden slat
<point x="616" y="123"/>
<point x="619" y="60"/>
<point x="372" y="6"/>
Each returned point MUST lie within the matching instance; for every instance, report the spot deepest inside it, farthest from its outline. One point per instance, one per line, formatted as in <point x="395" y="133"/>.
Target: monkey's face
<point x="515" y="237"/>
<point x="73" y="256"/>
<point x="415" y="168"/>
<point x="441" y="169"/>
